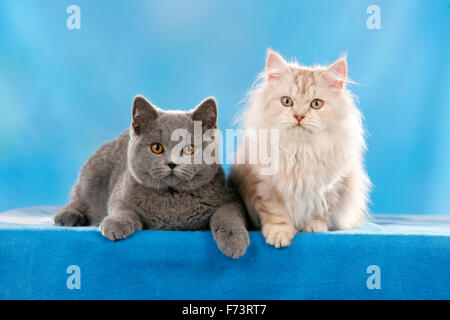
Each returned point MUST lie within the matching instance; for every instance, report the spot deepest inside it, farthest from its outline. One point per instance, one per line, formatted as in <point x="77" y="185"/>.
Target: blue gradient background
<point x="65" y="92"/>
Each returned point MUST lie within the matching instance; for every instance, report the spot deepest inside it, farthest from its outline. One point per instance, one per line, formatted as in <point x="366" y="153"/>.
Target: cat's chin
<point x="159" y="182"/>
<point x="173" y="181"/>
<point x="177" y="180"/>
<point x="302" y="133"/>
<point x="177" y="183"/>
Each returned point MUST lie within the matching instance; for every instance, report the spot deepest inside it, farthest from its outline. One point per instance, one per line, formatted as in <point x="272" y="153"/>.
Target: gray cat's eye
<point x="189" y="150"/>
<point x="316" y="104"/>
<point x="287" y="102"/>
<point x="157" y="148"/>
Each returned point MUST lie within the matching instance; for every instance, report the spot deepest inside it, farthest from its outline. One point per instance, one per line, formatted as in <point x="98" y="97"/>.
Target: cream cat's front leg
<point x="316" y="217"/>
<point x="277" y="229"/>
<point x="316" y="224"/>
<point x="276" y="226"/>
<point x="265" y="206"/>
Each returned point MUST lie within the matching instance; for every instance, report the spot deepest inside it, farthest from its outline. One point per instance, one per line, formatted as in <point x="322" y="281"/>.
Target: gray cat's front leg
<point x="228" y="225"/>
<point x="121" y="222"/>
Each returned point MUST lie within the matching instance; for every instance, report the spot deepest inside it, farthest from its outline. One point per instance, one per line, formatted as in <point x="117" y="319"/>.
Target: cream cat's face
<point x="303" y="101"/>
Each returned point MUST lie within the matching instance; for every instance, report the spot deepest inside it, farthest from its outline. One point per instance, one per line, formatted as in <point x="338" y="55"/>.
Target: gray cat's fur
<point x="125" y="187"/>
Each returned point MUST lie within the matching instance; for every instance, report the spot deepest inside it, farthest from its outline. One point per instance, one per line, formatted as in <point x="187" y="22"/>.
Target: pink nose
<point x="299" y="118"/>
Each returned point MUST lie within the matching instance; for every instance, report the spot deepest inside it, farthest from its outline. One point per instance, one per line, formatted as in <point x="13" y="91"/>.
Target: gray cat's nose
<point x="171" y="165"/>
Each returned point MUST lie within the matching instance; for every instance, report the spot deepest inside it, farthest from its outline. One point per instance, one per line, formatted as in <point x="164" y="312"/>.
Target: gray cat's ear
<point x="206" y="112"/>
<point x="143" y="114"/>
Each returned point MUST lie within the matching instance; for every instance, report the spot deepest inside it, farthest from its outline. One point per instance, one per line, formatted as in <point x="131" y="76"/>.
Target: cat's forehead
<point x="304" y="76"/>
<point x="167" y="124"/>
<point x="305" y="79"/>
<point x="175" y="120"/>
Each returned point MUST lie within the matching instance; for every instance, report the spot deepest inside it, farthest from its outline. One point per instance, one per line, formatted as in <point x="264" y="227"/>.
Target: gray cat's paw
<point x="233" y="243"/>
<point x="117" y="227"/>
<point x="69" y="218"/>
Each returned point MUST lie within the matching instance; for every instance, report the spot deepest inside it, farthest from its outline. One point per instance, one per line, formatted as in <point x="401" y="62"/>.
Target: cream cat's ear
<point x="335" y="75"/>
<point x="143" y="113"/>
<point x="276" y="66"/>
<point x="206" y="112"/>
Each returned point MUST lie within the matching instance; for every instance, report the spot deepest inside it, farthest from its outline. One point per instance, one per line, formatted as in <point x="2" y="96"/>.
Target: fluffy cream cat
<point x="320" y="182"/>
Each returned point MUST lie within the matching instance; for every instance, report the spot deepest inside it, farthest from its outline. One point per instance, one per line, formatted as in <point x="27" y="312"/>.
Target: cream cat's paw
<point x="316" y="225"/>
<point x="278" y="235"/>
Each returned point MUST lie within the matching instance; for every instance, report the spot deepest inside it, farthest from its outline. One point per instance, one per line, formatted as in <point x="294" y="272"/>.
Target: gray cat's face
<point x="158" y="157"/>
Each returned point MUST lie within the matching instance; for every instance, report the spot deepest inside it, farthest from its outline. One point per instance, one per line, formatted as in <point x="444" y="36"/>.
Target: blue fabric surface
<point x="411" y="252"/>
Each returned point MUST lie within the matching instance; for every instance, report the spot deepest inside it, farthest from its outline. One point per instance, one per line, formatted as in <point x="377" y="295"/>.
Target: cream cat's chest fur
<point x="307" y="177"/>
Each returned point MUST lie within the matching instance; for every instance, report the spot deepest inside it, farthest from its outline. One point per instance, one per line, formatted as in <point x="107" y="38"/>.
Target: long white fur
<point x="320" y="165"/>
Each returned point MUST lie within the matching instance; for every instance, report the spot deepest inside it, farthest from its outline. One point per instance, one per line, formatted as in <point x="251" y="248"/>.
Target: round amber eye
<point x="189" y="150"/>
<point x="157" y="148"/>
<point x="316" y="104"/>
<point x="287" y="102"/>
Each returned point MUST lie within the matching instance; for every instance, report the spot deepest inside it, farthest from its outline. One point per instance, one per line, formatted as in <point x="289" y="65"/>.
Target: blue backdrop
<point x="64" y="92"/>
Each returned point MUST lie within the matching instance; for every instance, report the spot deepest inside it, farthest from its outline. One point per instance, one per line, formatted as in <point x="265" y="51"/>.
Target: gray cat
<point x="133" y="182"/>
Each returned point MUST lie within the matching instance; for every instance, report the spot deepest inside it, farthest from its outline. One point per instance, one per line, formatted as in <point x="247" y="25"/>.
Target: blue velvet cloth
<point x="391" y="257"/>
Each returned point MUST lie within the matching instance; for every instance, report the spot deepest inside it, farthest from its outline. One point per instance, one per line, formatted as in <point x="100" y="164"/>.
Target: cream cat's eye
<point x="287" y="102"/>
<point x="316" y="104"/>
<point x="188" y="150"/>
<point x="157" y="148"/>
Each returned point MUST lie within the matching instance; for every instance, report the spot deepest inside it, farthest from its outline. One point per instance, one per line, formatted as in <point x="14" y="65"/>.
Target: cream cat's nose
<point x="299" y="118"/>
